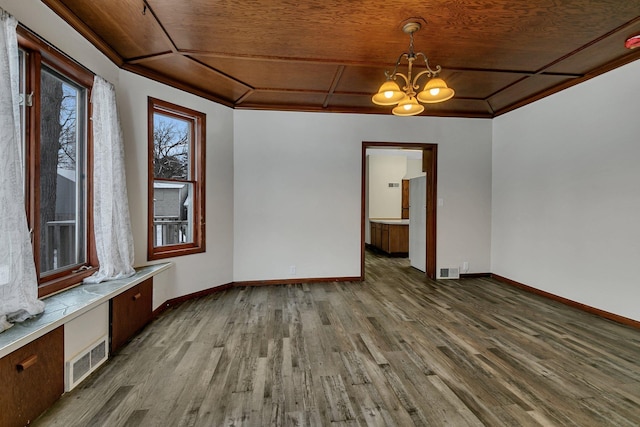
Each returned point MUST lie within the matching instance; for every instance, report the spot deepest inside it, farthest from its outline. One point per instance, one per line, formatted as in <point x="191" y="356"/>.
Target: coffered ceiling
<point x="330" y="55"/>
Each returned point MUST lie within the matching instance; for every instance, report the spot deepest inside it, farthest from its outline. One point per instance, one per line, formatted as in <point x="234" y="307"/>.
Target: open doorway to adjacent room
<point x="427" y="167"/>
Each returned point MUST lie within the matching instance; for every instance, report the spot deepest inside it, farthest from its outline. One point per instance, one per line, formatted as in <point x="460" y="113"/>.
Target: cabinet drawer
<point x="32" y="379"/>
<point x="130" y="311"/>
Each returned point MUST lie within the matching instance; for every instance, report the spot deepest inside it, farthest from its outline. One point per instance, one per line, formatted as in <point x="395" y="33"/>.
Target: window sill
<point x="69" y="304"/>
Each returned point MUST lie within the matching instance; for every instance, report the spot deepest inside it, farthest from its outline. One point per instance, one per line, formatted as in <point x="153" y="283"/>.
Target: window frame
<point x="197" y="156"/>
<point x="38" y="53"/>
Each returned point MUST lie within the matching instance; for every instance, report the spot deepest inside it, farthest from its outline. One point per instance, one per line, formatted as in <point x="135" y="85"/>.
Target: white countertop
<point x="390" y="221"/>
<point x="67" y="305"/>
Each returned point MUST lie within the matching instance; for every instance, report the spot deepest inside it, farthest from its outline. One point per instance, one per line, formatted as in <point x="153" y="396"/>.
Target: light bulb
<point x="407" y="107"/>
<point x="388" y="94"/>
<point x="434" y="91"/>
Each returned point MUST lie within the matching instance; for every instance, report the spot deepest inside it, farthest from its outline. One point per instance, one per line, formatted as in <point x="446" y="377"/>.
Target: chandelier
<point x="436" y="90"/>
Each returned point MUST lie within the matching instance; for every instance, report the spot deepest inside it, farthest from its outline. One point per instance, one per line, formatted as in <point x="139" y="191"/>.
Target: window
<point x="56" y="140"/>
<point x="176" y="180"/>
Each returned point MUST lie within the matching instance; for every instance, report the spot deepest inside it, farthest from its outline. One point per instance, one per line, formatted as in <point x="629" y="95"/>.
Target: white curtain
<point x="18" y="279"/>
<point x="114" y="243"/>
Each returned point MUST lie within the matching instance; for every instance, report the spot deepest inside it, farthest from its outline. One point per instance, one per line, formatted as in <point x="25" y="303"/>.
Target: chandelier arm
<point x="405" y="78"/>
<point x="392" y="75"/>
<point x="426" y="63"/>
<point x="429" y="73"/>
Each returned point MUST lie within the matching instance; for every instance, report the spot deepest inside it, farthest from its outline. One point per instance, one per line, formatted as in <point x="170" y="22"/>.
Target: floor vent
<point x="449" y="273"/>
<point x="85" y="363"/>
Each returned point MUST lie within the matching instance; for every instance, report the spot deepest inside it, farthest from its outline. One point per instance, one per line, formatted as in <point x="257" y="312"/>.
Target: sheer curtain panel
<point x="114" y="242"/>
<point x="18" y="279"/>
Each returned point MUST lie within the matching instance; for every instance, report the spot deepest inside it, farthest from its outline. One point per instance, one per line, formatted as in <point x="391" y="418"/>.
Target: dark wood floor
<point x="396" y="350"/>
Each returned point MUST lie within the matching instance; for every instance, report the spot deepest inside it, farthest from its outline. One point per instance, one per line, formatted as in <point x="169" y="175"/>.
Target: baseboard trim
<point x="474" y="275"/>
<point x="296" y="281"/>
<point x="589" y="309"/>
<point x="605" y="314"/>
<point x="179" y="300"/>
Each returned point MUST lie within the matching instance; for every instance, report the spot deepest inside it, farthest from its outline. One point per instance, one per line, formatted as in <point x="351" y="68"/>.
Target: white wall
<point x="566" y="193"/>
<point x="77" y="336"/>
<point x="414" y="168"/>
<point x="382" y="201"/>
<point x="385" y="201"/>
<point x="297" y="186"/>
<point x="196" y="272"/>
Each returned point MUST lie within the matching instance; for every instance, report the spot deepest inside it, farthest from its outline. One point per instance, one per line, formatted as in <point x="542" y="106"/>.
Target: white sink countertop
<point x="390" y="221"/>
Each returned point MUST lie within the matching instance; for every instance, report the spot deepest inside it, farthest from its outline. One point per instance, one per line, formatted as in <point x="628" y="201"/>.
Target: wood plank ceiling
<point x="330" y="55"/>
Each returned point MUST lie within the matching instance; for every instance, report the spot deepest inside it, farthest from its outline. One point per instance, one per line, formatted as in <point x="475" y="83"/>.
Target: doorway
<point x="429" y="166"/>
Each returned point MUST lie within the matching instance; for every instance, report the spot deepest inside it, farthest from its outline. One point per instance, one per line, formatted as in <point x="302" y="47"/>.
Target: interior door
<point x="418" y="223"/>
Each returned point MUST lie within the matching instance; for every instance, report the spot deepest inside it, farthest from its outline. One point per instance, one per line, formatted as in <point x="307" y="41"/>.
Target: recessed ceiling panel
<point x="295" y="75"/>
<point x="361" y="79"/>
<point x="316" y="29"/>
<point x="284" y="100"/>
<point x="459" y="107"/>
<point x="180" y="68"/>
<point x="600" y="53"/>
<point x="478" y="84"/>
<point x="285" y="54"/>
<point x="529" y="87"/>
<point x="124" y="25"/>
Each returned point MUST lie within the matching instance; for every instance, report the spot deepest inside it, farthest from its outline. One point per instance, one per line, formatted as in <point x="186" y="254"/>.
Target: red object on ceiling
<point x="632" y="42"/>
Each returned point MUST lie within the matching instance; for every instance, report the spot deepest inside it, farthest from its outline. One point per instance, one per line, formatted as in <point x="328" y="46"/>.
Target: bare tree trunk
<point x="49" y="145"/>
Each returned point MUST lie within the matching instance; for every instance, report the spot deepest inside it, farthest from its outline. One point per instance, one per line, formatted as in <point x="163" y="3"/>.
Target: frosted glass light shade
<point x="388" y="94"/>
<point x="408" y="107"/>
<point x="436" y="90"/>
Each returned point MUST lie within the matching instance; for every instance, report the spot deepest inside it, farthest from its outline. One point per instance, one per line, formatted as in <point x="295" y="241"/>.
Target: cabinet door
<point x="405" y="199"/>
<point x="376" y="238"/>
<point x="130" y="311"/>
<point x="384" y="240"/>
<point x="399" y="239"/>
<point x="32" y="379"/>
<point x="373" y="234"/>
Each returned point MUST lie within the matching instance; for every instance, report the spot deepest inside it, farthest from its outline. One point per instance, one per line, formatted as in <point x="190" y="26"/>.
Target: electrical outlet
<point x="292" y="269"/>
<point x="465" y="266"/>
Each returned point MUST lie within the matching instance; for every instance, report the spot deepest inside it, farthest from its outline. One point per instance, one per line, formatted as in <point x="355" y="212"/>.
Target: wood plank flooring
<point x="395" y="350"/>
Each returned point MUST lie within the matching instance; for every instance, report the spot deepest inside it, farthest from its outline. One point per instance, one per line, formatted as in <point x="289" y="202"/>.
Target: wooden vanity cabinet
<point x="32" y="379"/>
<point x="129" y="312"/>
<point x="392" y="239"/>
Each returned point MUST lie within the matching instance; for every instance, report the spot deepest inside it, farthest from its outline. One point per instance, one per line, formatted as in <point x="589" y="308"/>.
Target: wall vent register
<point x="87" y="361"/>
<point x="449" y="273"/>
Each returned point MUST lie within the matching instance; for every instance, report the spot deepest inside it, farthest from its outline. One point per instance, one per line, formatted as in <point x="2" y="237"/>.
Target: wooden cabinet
<point x="405" y="199"/>
<point x="376" y="234"/>
<point x="399" y="239"/>
<point x="384" y="242"/>
<point x="130" y="312"/>
<point x="32" y="378"/>
<point x="390" y="238"/>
